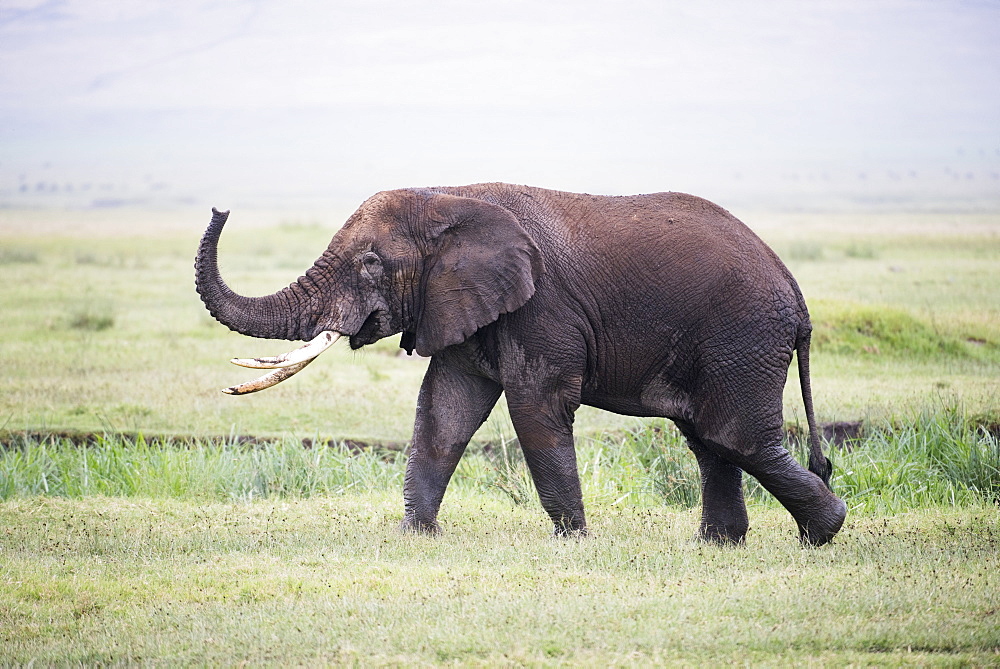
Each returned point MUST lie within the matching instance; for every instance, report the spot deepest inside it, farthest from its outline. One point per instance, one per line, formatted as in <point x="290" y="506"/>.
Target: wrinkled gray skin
<point x="649" y="305"/>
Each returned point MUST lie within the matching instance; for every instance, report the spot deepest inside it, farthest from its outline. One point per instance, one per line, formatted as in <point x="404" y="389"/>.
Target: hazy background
<point x="315" y="105"/>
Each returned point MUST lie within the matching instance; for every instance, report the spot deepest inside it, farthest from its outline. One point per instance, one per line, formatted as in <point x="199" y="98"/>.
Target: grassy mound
<point x="852" y="328"/>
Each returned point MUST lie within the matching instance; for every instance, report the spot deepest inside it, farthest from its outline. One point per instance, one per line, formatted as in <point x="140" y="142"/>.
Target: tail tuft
<point x="819" y="464"/>
<point x="822" y="469"/>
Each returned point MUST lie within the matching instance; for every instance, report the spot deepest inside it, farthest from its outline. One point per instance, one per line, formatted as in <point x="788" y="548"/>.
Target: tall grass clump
<point x="507" y="472"/>
<point x="861" y="250"/>
<point x="648" y="464"/>
<point x="805" y="251"/>
<point x="937" y="458"/>
<point x="92" y="318"/>
<point x="933" y="459"/>
<point x="114" y="465"/>
<point x="14" y="256"/>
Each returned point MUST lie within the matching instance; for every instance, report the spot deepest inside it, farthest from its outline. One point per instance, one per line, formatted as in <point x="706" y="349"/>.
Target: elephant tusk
<point x="284" y="366"/>
<point x="320" y="343"/>
<point x="268" y="380"/>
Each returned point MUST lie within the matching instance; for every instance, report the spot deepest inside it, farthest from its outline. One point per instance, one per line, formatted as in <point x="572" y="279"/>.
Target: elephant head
<point x="431" y="265"/>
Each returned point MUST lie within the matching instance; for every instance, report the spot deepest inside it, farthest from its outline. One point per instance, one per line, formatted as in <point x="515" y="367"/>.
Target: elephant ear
<point x="482" y="264"/>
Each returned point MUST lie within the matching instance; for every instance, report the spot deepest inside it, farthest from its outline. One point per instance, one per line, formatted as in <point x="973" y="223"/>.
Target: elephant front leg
<point x="545" y="431"/>
<point x="451" y="406"/>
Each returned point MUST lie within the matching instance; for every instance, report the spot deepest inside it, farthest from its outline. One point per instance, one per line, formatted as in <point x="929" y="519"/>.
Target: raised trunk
<point x="275" y="316"/>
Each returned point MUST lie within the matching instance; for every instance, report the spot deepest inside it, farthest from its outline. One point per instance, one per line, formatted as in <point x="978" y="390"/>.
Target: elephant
<point x="656" y="305"/>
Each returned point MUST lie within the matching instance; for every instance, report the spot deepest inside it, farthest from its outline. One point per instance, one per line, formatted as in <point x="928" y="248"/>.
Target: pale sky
<point x="312" y="103"/>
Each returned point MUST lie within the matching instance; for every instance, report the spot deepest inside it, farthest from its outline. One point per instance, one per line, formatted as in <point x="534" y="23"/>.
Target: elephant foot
<point x="721" y="535"/>
<point x="411" y="525"/>
<point x="569" y="525"/>
<point x="561" y="532"/>
<point x="725" y="526"/>
<point x="821" y="528"/>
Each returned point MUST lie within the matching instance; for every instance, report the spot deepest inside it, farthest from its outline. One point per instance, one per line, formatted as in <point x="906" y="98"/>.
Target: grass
<point x="92" y="317"/>
<point x="330" y="580"/>
<point x="14" y="256"/>
<point x="218" y="471"/>
<point x="933" y="459"/>
<point x="852" y="329"/>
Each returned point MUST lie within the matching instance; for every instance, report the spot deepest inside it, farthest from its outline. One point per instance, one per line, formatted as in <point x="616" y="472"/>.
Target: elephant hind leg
<point x="817" y="511"/>
<point x="753" y="443"/>
<point x="723" y="507"/>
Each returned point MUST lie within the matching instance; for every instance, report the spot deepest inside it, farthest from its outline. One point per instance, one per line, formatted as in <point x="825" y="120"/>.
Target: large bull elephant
<point x="648" y="305"/>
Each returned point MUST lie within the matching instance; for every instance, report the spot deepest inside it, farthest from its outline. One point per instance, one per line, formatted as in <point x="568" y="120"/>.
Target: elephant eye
<point x="371" y="260"/>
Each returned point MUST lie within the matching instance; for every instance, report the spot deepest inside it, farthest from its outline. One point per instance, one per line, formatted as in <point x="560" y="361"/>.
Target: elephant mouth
<point x="375" y="327"/>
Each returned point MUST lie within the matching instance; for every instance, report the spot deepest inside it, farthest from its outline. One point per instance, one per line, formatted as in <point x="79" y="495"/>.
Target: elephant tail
<point x="819" y="464"/>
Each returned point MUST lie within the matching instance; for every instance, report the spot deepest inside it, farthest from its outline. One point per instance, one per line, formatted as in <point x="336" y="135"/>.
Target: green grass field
<point x="329" y="580"/>
<point x="185" y="546"/>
